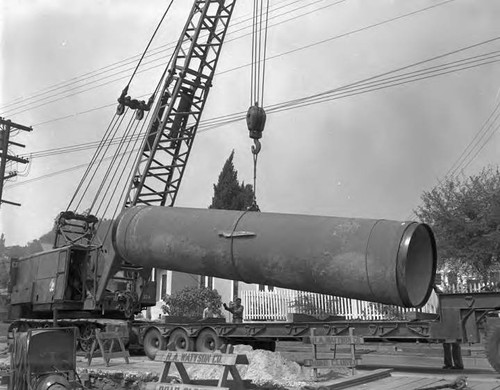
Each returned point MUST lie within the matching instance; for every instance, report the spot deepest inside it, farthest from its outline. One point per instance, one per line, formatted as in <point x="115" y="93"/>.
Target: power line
<point x="297" y="103"/>
<point x="456" y="166"/>
<point x="359" y="86"/>
<point x="164" y="48"/>
<point x="246" y="65"/>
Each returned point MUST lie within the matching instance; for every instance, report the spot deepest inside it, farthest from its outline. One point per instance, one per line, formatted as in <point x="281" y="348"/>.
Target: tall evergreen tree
<point x="229" y="194"/>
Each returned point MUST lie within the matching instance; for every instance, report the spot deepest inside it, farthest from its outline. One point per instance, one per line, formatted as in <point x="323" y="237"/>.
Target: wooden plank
<point x="223" y="378"/>
<point x="483" y="385"/>
<point x="422" y="382"/>
<point x="413" y="383"/>
<point x="201" y="358"/>
<point x="357" y="380"/>
<point x="336" y="340"/>
<point x="100" y="338"/>
<point x="333" y="355"/>
<point x="336" y="362"/>
<point x="182" y="372"/>
<point x="381" y="384"/>
<point x="164" y="372"/>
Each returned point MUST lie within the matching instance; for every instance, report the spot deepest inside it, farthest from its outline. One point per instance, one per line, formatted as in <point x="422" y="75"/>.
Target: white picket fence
<point x="274" y="306"/>
<point x="468" y="287"/>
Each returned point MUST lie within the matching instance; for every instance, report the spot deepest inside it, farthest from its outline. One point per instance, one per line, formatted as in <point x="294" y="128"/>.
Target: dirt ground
<point x="266" y="370"/>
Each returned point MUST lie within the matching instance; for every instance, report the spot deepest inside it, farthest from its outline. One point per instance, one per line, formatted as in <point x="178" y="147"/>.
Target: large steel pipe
<point x="375" y="260"/>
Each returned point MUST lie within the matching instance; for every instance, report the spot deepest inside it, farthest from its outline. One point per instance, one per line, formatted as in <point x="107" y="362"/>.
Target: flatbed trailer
<point x="465" y="318"/>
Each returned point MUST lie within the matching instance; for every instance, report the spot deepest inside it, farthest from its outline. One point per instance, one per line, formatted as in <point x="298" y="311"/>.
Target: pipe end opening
<point x="417" y="265"/>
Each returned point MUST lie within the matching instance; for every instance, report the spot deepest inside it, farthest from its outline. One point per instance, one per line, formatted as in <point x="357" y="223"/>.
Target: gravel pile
<point x="266" y="370"/>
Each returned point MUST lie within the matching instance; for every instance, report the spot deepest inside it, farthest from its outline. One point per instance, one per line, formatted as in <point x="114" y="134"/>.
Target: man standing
<point x="453" y="356"/>
<point x="236" y="309"/>
<point x="209" y="311"/>
<point x="452" y="351"/>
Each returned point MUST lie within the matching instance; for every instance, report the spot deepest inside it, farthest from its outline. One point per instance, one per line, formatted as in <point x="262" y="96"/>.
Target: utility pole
<point x="6" y="126"/>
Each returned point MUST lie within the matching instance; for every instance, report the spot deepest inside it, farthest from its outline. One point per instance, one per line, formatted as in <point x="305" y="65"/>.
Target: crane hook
<point x="256" y="148"/>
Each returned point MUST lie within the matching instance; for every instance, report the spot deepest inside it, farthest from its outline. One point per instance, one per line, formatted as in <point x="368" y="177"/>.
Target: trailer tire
<point x="86" y="336"/>
<point x="153" y="342"/>
<point x="180" y="341"/>
<point x="208" y="341"/>
<point x="492" y="347"/>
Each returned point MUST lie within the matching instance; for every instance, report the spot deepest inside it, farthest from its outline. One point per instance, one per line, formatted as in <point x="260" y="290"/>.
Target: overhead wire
<point x="446" y="2"/>
<point x="297" y="103"/>
<point x="109" y="169"/>
<point x="275" y="56"/>
<point x="373" y="81"/>
<point x="129" y="60"/>
<point x="460" y="161"/>
<point x="481" y="147"/>
<point x="58" y="98"/>
<point x="111" y="126"/>
<point x="150" y="41"/>
<point x="112" y="136"/>
<point x="166" y="47"/>
<point x="268" y="58"/>
<point x="120" y="203"/>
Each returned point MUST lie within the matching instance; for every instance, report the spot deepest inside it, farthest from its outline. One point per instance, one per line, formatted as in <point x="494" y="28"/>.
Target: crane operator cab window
<point x="75" y="287"/>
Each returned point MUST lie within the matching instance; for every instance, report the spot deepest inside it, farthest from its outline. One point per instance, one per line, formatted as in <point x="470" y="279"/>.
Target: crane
<point x="81" y="281"/>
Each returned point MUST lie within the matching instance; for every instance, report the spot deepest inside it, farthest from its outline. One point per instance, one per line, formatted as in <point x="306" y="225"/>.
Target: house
<point x="169" y="282"/>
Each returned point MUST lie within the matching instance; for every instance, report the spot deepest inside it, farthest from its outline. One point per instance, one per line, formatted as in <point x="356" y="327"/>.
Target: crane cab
<point x="61" y="278"/>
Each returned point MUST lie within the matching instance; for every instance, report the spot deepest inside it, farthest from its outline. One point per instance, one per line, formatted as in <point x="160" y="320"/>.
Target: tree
<point x="229" y="194"/>
<point x="465" y="217"/>
<point x="191" y="301"/>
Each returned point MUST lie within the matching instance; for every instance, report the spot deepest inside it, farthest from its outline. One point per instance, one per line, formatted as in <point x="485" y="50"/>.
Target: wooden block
<point x="108" y="335"/>
<point x="355" y="380"/>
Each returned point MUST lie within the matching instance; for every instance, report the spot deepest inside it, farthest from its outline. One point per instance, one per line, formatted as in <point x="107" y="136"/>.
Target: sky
<point x="370" y="155"/>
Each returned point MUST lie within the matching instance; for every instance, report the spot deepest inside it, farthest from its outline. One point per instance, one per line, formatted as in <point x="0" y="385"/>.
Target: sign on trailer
<point x="200" y="358"/>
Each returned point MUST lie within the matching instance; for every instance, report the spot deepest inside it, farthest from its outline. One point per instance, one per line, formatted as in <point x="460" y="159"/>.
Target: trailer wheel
<point x="180" y="341"/>
<point x="492" y="347"/>
<point x="208" y="341"/>
<point x="87" y="336"/>
<point x="153" y="342"/>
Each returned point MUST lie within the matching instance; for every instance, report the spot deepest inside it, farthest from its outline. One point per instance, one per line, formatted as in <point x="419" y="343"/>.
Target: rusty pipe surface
<point x="375" y="260"/>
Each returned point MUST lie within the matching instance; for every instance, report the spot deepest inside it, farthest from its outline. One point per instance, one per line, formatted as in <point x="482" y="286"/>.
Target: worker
<point x="453" y="356"/>
<point x="209" y="311"/>
<point x="452" y="352"/>
<point x="236" y="309"/>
